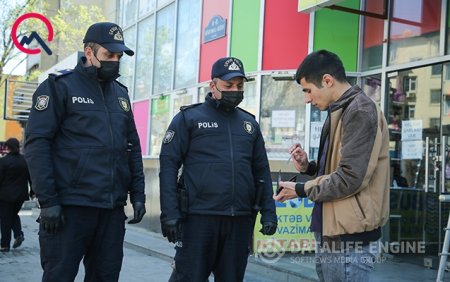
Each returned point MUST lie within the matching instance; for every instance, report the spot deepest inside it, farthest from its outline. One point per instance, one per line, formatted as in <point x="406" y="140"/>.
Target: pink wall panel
<point x="285" y="35"/>
<point x="213" y="50"/>
<point x="141" y="116"/>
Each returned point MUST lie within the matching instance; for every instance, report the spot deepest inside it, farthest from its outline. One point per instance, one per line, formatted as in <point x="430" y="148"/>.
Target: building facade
<point x="399" y="55"/>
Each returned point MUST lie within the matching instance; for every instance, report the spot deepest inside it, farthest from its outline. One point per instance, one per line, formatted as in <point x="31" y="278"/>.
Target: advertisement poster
<point x="293" y="233"/>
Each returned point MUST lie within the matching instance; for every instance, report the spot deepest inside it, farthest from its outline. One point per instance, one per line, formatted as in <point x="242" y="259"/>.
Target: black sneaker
<point x="18" y="241"/>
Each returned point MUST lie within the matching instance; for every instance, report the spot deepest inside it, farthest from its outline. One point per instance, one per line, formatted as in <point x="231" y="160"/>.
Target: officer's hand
<point x="170" y="229"/>
<point x="139" y="211"/>
<point x="268" y="228"/>
<point x="51" y="218"/>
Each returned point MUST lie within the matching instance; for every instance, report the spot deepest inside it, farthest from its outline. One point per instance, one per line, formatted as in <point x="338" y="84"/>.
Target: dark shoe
<point x="18" y="241"/>
<point x="4" y="249"/>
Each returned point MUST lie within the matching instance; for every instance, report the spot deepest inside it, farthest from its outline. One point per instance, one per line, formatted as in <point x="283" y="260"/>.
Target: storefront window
<point x="129" y="9"/>
<point x="179" y="101"/>
<point x="164" y="49"/>
<point x="127" y="62"/>
<point x="249" y="102"/>
<point x="373" y="36"/>
<point x="413" y="114"/>
<point x="146" y="6"/>
<point x="414" y="30"/>
<point x="188" y="42"/>
<point x="282" y="117"/>
<point x="161" y="3"/>
<point x="160" y="119"/>
<point x="372" y="87"/>
<point x="144" y="56"/>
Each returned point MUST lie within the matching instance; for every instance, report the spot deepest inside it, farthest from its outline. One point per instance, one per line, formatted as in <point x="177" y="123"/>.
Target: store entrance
<point x="418" y="110"/>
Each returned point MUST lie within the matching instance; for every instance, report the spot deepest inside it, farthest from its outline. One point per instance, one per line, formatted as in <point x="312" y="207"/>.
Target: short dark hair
<point x="93" y="46"/>
<point x="13" y="145"/>
<point x="319" y="63"/>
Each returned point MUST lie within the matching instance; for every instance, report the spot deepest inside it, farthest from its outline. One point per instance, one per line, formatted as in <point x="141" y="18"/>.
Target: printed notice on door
<point x="411" y="130"/>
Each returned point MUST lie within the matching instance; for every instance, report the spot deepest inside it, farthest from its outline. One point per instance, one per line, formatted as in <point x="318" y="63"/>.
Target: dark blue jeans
<point x="344" y="265"/>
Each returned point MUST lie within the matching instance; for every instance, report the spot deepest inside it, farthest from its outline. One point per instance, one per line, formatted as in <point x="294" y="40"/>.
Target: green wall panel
<point x="245" y="32"/>
<point x="337" y="32"/>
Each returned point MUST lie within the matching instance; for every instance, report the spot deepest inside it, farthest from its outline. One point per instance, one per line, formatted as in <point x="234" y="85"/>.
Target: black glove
<point x="51" y="218"/>
<point x="139" y="211"/>
<point x="170" y="229"/>
<point x="268" y="228"/>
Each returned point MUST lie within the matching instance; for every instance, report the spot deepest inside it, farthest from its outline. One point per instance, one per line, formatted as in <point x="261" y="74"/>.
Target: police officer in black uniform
<point x="222" y="152"/>
<point x="84" y="158"/>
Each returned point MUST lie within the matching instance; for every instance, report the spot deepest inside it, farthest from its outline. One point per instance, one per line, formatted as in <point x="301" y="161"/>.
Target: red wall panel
<point x="285" y="35"/>
<point x="213" y="50"/>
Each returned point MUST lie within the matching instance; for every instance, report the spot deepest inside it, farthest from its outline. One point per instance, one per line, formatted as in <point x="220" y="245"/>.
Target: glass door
<point x="419" y="122"/>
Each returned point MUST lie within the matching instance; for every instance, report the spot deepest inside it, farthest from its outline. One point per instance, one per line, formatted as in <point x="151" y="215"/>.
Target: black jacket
<point x="14" y="178"/>
<point x="77" y="140"/>
<point x="223" y="156"/>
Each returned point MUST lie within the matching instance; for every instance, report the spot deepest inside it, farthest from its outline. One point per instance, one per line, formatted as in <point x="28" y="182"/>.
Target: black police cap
<point x="228" y="68"/>
<point x="109" y="36"/>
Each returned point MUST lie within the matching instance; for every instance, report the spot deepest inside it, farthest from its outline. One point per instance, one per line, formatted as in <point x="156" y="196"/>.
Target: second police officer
<point x="225" y="167"/>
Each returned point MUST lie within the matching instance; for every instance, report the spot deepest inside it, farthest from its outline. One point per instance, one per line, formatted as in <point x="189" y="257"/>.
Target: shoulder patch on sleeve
<point x="246" y="112"/>
<point x="183" y="108"/>
<point x="60" y="73"/>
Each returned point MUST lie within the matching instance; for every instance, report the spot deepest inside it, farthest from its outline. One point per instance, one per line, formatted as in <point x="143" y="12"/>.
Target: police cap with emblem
<point x="109" y="36"/>
<point x="228" y="68"/>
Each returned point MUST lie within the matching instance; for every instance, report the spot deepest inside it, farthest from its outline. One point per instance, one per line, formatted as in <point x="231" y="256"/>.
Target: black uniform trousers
<point x="9" y="220"/>
<point x="217" y="244"/>
<point x="93" y="234"/>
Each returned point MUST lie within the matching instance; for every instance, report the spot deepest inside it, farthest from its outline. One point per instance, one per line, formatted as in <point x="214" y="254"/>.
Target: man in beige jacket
<point x="351" y="185"/>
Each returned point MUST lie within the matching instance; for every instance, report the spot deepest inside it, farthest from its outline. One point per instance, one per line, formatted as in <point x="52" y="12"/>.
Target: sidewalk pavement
<point x="289" y="268"/>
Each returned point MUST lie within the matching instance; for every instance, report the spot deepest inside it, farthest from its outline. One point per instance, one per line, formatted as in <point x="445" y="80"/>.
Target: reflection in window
<point x="282" y="116"/>
<point x="160" y="118"/>
<point x="373" y="36"/>
<point x="129" y="12"/>
<point x="414" y="30"/>
<point x="144" y="57"/>
<point x="179" y="101"/>
<point x="161" y="3"/>
<point x="318" y="118"/>
<point x="412" y="118"/>
<point x="146" y="6"/>
<point x="188" y="42"/>
<point x="127" y="62"/>
<point x="164" y="49"/>
<point x="249" y="102"/>
<point x="435" y="96"/>
<point x="372" y="87"/>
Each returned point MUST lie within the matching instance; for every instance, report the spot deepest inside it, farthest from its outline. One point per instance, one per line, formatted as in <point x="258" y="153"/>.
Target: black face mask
<point x="230" y="99"/>
<point x="109" y="70"/>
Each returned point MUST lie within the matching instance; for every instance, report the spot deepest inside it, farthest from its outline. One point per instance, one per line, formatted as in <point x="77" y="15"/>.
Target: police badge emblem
<point x="42" y="102"/>
<point x="124" y="104"/>
<point x="248" y="126"/>
<point x="169" y="136"/>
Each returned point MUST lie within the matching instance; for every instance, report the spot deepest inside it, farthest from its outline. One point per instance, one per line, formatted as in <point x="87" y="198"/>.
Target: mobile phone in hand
<point x="292" y="179"/>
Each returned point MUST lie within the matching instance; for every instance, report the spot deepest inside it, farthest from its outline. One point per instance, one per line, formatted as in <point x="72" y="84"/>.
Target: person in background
<point x="84" y="156"/>
<point x="351" y="185"/>
<point x="14" y="180"/>
<point x="225" y="168"/>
